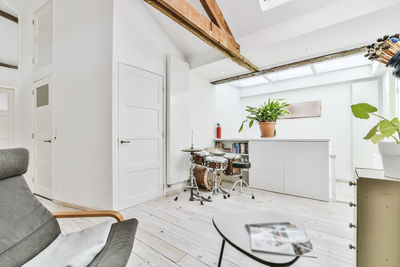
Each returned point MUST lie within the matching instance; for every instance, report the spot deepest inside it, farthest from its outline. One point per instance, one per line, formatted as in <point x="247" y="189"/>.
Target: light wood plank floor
<point x="181" y="233"/>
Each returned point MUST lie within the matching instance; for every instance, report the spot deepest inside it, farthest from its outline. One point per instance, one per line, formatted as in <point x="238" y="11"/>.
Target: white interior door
<point x="7" y="118"/>
<point x="141" y="142"/>
<point x="43" y="137"/>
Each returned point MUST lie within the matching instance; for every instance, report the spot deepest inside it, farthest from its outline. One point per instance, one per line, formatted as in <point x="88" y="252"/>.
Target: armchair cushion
<point x="77" y="249"/>
<point x="13" y="162"/>
<point x="26" y="226"/>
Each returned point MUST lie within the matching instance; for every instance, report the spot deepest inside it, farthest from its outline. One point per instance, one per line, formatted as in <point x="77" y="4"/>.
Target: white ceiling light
<point x="342" y="63"/>
<point x="290" y="74"/>
<point x="269" y="4"/>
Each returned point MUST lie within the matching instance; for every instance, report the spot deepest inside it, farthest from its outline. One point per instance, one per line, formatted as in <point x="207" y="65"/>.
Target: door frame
<point x="50" y="80"/>
<point x="16" y="113"/>
<point x="116" y="127"/>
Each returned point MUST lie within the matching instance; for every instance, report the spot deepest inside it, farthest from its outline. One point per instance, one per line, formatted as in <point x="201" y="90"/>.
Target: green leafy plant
<point x="268" y="112"/>
<point x="383" y="129"/>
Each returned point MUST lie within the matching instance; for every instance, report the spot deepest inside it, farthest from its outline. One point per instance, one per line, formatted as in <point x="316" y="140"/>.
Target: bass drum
<point x="205" y="178"/>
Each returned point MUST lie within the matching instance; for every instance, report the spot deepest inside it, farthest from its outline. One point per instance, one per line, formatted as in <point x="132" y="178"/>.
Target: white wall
<point x="82" y="70"/>
<point x="228" y="110"/>
<point x="83" y="92"/>
<point x="203" y="110"/>
<point x="87" y="49"/>
<point x="138" y="41"/>
<point x="334" y="123"/>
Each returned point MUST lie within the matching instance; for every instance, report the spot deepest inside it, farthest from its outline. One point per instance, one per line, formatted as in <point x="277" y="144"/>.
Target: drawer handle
<point x="351" y="246"/>
<point x="351" y="204"/>
<point x="352" y="183"/>
<point x="352" y="225"/>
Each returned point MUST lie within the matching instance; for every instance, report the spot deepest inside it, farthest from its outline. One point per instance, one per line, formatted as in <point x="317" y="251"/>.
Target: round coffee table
<point x="231" y="225"/>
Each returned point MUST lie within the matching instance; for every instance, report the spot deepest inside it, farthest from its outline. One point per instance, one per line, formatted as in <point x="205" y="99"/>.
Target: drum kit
<point x="205" y="172"/>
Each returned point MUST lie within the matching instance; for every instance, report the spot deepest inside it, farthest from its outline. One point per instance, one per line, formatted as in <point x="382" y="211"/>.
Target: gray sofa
<point x="27" y="227"/>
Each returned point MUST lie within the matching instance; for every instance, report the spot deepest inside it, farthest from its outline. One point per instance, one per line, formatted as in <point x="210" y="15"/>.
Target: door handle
<point x="47" y="141"/>
<point x="125" y="142"/>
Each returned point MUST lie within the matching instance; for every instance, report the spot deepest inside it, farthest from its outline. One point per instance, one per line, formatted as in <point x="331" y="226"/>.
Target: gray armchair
<point x="27" y="227"/>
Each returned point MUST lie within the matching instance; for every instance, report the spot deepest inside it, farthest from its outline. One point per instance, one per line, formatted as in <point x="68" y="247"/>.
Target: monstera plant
<point x="384" y="129"/>
<point x="266" y="115"/>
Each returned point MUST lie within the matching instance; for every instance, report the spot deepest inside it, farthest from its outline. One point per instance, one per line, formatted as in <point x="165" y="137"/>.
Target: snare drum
<point x="214" y="162"/>
<point x="205" y="178"/>
<point x="231" y="158"/>
<point x="199" y="157"/>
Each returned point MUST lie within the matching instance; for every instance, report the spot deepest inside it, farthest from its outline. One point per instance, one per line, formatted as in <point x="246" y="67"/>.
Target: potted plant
<point x="385" y="128"/>
<point x="266" y="115"/>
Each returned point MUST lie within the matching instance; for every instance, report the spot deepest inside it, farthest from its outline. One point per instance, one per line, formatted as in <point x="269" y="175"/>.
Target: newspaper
<point x="279" y="238"/>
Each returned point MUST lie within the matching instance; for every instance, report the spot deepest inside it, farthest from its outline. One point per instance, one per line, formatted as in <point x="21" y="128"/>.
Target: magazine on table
<point x="279" y="238"/>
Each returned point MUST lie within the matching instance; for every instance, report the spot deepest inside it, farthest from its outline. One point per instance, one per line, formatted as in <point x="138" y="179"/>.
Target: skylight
<point x="341" y="63"/>
<point x="269" y="4"/>
<point x="250" y="82"/>
<point x="290" y="74"/>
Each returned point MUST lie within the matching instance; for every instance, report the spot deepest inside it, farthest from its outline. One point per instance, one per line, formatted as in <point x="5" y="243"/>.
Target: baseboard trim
<point x="70" y="205"/>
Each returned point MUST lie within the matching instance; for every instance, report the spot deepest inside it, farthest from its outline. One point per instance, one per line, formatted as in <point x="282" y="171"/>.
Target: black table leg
<point x="221" y="253"/>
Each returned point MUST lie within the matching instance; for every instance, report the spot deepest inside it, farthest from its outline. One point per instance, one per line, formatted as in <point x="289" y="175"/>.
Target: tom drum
<point x="199" y="157"/>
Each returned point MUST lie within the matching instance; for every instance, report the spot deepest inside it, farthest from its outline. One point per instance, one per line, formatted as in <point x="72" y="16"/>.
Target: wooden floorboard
<point x="180" y="233"/>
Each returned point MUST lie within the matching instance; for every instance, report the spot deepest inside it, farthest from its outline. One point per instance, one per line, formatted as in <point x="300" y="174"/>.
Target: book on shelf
<point x="237" y="148"/>
<point x="240" y="148"/>
<point x="281" y="238"/>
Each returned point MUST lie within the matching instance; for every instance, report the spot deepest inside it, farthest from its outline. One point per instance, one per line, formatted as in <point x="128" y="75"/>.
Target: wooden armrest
<point x="90" y="213"/>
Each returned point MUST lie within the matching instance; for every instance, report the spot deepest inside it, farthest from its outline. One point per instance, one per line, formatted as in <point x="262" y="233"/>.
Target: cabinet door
<point x="307" y="169"/>
<point x="378" y="220"/>
<point x="267" y="162"/>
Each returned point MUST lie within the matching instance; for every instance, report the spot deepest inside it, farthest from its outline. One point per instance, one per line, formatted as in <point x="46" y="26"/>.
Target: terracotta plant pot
<point x="267" y="128"/>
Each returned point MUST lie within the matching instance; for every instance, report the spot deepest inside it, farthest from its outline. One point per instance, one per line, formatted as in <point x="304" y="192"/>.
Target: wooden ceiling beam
<point x="296" y="64"/>
<point x="5" y="65"/>
<point x="8" y="16"/>
<point x="191" y="19"/>
<point x="215" y="14"/>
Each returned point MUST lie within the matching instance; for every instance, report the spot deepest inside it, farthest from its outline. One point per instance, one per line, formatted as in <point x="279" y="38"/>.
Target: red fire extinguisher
<point x="218" y="130"/>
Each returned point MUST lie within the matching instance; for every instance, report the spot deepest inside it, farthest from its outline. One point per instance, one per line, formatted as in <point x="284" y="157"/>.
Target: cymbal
<point x="215" y="151"/>
<point x="191" y="150"/>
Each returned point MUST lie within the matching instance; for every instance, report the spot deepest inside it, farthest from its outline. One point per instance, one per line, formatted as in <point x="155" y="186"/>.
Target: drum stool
<point x="241" y="165"/>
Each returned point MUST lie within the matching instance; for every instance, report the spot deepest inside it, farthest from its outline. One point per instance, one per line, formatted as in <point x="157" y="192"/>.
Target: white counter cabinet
<point x="297" y="167"/>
